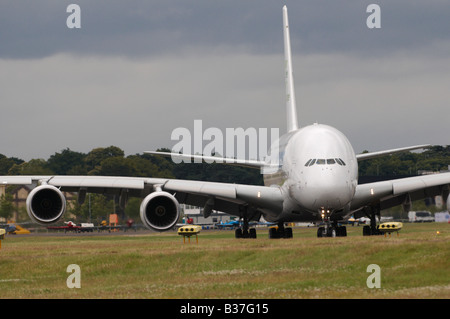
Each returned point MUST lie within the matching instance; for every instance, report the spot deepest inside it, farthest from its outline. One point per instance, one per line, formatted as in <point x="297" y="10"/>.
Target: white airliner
<point x="311" y="176"/>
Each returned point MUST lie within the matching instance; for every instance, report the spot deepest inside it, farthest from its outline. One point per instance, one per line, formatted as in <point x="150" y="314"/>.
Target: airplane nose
<point x="328" y="197"/>
<point x="327" y="192"/>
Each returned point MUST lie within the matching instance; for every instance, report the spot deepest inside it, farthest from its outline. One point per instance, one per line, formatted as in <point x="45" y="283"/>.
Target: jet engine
<point x="160" y="211"/>
<point x="46" y="204"/>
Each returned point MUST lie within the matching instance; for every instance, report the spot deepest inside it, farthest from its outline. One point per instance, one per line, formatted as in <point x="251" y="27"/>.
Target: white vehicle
<point x="312" y="176"/>
<point x="87" y="227"/>
<point x="420" y="217"/>
<point x="442" y="217"/>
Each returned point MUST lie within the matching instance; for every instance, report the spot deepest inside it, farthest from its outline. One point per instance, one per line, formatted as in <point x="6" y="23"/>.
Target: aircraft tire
<point x="320" y="232"/>
<point x="273" y="233"/>
<point x="341" y="231"/>
<point x="331" y="232"/>
<point x="288" y="233"/>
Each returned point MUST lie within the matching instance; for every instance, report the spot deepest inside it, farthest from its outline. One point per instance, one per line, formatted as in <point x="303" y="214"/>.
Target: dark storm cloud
<point x="136" y="70"/>
<point x="34" y="29"/>
<point x="130" y="28"/>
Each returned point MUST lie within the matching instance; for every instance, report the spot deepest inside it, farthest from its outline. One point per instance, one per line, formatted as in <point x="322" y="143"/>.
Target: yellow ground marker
<point x="188" y="231"/>
<point x="390" y="228"/>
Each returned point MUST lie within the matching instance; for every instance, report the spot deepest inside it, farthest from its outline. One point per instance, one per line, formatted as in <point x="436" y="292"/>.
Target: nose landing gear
<point x="331" y="228"/>
<point x="332" y="231"/>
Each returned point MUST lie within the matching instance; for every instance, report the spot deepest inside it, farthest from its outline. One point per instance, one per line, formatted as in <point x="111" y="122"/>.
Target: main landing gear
<point x="372" y="229"/>
<point x="274" y="232"/>
<point x="280" y="231"/>
<point x="245" y="231"/>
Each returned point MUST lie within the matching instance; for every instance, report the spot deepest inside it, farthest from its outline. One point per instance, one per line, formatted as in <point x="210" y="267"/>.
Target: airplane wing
<point x="396" y="192"/>
<point x="211" y="159"/>
<point x="234" y="199"/>
<point x="370" y="155"/>
<point x="161" y="197"/>
<point x="159" y="194"/>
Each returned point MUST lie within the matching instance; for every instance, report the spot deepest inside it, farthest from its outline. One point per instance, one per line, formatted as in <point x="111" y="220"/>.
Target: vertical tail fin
<point x="291" y="109"/>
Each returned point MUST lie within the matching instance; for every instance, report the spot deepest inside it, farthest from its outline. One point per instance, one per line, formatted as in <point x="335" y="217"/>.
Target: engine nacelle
<point x="160" y="211"/>
<point x="46" y="204"/>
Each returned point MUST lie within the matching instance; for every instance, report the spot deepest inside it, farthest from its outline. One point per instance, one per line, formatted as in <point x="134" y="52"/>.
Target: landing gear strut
<point x="331" y="228"/>
<point x="280" y="232"/>
<point x="372" y="229"/>
<point x="245" y="231"/>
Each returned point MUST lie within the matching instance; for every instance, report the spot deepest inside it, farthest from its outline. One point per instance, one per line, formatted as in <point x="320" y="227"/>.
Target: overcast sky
<point x="137" y="70"/>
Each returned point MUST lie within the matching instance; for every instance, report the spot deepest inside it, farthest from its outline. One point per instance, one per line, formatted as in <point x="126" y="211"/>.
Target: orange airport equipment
<point x="114" y="221"/>
<point x="21" y="230"/>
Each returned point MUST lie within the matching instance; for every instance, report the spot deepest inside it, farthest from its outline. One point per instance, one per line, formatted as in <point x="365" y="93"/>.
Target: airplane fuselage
<point x="318" y="172"/>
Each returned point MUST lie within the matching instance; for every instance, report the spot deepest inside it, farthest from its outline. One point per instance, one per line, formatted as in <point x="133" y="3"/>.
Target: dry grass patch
<point x="413" y="265"/>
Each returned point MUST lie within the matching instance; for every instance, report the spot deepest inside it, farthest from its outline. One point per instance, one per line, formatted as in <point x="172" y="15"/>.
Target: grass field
<point x="415" y="264"/>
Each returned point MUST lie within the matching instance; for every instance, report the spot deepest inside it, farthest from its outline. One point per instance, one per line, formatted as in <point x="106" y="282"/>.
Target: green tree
<point x="95" y="207"/>
<point x="132" y="210"/>
<point x="32" y="167"/>
<point x="218" y="173"/>
<point x="6" y="163"/>
<point x="409" y="163"/>
<point x="67" y="162"/>
<point x="117" y="166"/>
<point x="95" y="157"/>
<point x="6" y="206"/>
<point x="146" y="166"/>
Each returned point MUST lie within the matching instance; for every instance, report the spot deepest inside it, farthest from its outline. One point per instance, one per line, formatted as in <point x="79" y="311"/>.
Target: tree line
<point x="434" y="159"/>
<point x="111" y="161"/>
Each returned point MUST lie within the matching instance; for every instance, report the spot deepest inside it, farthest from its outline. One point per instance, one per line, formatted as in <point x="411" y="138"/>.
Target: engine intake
<point x="46" y="204"/>
<point x="160" y="211"/>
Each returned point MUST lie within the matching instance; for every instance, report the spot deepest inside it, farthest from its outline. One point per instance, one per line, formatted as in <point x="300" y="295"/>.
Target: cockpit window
<point x="320" y="161"/>
<point x="328" y="161"/>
